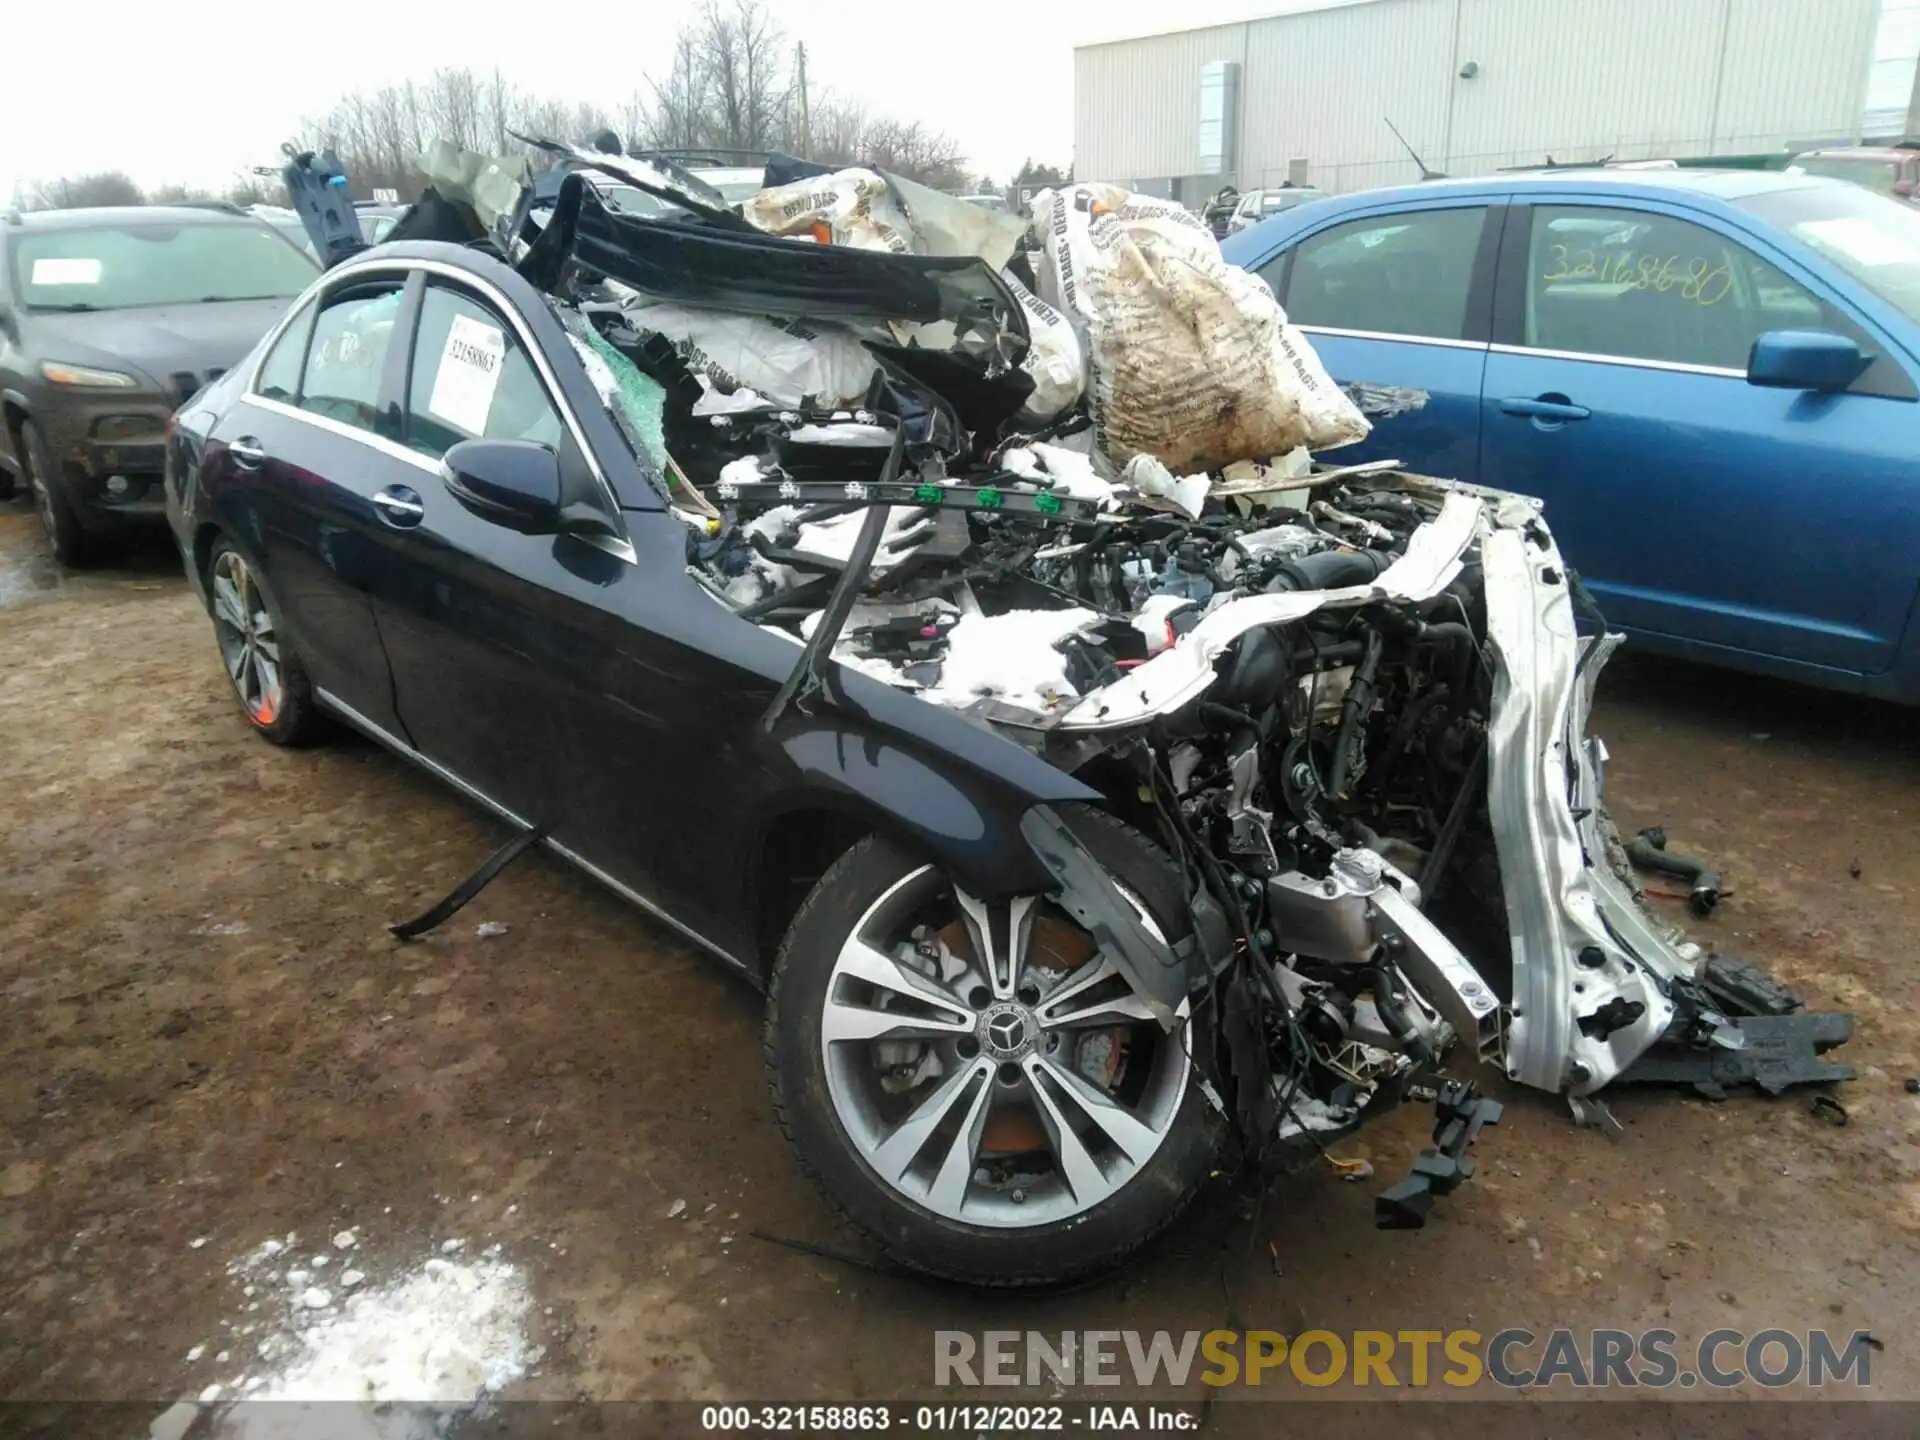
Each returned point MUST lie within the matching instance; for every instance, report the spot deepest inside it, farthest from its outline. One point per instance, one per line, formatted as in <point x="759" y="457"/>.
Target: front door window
<point x="1641" y="285"/>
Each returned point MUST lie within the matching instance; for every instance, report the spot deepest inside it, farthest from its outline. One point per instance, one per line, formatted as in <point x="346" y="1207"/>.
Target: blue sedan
<point x="1709" y="378"/>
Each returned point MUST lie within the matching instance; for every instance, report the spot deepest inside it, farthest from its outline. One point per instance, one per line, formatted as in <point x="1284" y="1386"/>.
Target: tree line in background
<point x="733" y="82"/>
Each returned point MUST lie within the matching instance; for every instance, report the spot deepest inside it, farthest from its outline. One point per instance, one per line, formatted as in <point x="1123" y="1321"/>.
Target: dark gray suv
<point x="110" y="320"/>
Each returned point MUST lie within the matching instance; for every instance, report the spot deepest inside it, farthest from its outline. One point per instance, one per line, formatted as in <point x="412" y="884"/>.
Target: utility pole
<point x="806" y="120"/>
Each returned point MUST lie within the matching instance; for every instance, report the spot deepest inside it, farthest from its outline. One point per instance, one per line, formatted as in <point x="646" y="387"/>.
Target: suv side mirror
<point x="1815" y="360"/>
<point x="513" y="483"/>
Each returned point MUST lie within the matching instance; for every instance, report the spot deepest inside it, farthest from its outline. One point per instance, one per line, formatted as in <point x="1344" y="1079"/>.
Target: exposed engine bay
<point x="1352" y="702"/>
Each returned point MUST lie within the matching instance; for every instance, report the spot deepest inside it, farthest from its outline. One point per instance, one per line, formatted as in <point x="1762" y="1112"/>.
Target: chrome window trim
<point x="1396" y="338"/>
<point x="392" y="448"/>
<point x="378" y="733"/>
<point x="619" y="546"/>
<point x="1674" y="366"/>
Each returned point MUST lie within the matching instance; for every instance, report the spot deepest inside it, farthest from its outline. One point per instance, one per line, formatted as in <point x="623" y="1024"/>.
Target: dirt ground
<point x="208" y="1032"/>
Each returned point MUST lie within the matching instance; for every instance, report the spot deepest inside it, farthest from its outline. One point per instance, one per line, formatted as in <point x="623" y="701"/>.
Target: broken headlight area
<point x="990" y="467"/>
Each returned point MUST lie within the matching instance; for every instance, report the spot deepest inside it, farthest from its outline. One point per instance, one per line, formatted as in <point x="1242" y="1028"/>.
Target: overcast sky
<point x="194" y="93"/>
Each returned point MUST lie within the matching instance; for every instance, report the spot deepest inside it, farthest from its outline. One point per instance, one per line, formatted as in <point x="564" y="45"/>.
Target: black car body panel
<point x="582" y="683"/>
<point x="766" y="274"/>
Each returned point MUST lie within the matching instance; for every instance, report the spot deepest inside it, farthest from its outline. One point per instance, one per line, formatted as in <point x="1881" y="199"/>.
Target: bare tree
<point x="728" y="85"/>
<point x="845" y="134"/>
<point x="450" y="108"/>
<point x="73" y="192"/>
<point x="1041" y="175"/>
<point x="743" y="56"/>
<point x="177" y="194"/>
<point x="255" y="190"/>
<point x="498" y="113"/>
<point x="678" y="116"/>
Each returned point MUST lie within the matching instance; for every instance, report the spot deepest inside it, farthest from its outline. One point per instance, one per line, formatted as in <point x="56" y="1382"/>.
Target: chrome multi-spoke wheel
<point x="268" y="679"/>
<point x="248" y="643"/>
<point x="979" y="1085"/>
<point x="991" y="1079"/>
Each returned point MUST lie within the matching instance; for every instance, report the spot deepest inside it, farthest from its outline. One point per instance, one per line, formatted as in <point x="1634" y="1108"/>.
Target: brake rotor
<point x="1052" y="943"/>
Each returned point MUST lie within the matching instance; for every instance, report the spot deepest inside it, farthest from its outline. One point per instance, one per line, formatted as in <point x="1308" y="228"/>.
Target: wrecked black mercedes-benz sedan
<point x="939" y="617"/>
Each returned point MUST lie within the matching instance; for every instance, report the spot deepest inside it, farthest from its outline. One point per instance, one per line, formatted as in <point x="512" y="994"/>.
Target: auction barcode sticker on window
<point x="470" y="366"/>
<point x="65" y="270"/>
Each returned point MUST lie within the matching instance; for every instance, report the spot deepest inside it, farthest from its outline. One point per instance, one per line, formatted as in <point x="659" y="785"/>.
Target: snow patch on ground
<point x="446" y="1330"/>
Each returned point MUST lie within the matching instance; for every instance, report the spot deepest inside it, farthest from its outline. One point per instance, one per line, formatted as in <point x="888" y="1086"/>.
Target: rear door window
<point x="471" y="378"/>
<point x="279" y="377"/>
<point x="347" y="359"/>
<point x="1407" y="274"/>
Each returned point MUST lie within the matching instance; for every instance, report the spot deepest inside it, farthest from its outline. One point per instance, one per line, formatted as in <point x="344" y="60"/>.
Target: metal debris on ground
<point x="1648" y="851"/>
<point x="1777" y="1052"/>
<point x="1826" y="1108"/>
<point x="1590" y="1112"/>
<point x="1739" y="988"/>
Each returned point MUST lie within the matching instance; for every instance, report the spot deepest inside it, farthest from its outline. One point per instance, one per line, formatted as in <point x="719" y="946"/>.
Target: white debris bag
<point x="1192" y="360"/>
<point x="1054" y="357"/>
<point x="784" y="361"/>
<point x="849" y="207"/>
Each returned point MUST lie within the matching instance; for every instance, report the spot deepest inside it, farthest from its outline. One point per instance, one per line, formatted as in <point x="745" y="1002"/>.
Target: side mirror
<point x="1815" y="360"/>
<point x="513" y="483"/>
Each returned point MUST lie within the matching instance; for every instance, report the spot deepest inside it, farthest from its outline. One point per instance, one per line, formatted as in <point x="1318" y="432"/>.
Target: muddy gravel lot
<point x="209" y="1039"/>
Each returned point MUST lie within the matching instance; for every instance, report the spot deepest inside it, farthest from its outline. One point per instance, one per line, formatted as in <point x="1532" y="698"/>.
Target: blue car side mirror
<point x="1815" y="360"/>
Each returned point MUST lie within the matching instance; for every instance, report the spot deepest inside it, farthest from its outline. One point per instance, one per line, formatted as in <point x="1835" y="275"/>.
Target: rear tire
<point x="965" y="1222"/>
<point x="66" y="537"/>
<point x="269" y="681"/>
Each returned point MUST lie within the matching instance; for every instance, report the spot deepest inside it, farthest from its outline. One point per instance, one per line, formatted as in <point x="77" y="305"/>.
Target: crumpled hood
<point x="160" y="340"/>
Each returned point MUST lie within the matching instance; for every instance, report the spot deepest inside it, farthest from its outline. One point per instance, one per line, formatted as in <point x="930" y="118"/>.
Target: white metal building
<point x="1476" y="85"/>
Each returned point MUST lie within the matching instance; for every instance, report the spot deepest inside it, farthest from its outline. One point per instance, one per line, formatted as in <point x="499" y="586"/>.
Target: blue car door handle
<point x="1545" y="407"/>
<point x="399" y="506"/>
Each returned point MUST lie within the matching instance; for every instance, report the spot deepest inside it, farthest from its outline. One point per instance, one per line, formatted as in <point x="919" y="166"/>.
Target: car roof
<point x="88" y="217"/>
<point x="1719" y="185"/>
<point x="1716" y="184"/>
<point x="1867" y="152"/>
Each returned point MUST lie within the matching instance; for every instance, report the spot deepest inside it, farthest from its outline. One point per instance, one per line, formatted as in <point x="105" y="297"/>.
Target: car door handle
<point x="1545" y="407"/>
<point x="247" y="453"/>
<point x="400" y="506"/>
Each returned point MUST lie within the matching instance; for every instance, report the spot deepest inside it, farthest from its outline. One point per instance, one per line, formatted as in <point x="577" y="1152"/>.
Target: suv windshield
<point x="120" y="267"/>
<point x="1872" y="238"/>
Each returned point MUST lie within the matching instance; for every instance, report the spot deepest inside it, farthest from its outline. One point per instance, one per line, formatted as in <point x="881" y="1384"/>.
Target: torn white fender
<point x="1588" y="968"/>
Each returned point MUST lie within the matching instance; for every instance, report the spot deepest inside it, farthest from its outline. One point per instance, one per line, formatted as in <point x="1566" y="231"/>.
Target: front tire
<point x="983" y="1093"/>
<point x="66" y="537"/>
<point x="262" y="665"/>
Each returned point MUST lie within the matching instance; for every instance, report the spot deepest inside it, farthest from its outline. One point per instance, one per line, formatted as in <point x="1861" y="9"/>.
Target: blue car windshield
<point x="124" y="266"/>
<point x="1872" y="238"/>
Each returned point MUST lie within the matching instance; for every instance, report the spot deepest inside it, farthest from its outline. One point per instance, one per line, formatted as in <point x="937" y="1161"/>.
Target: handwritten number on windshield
<point x="1692" y="279"/>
